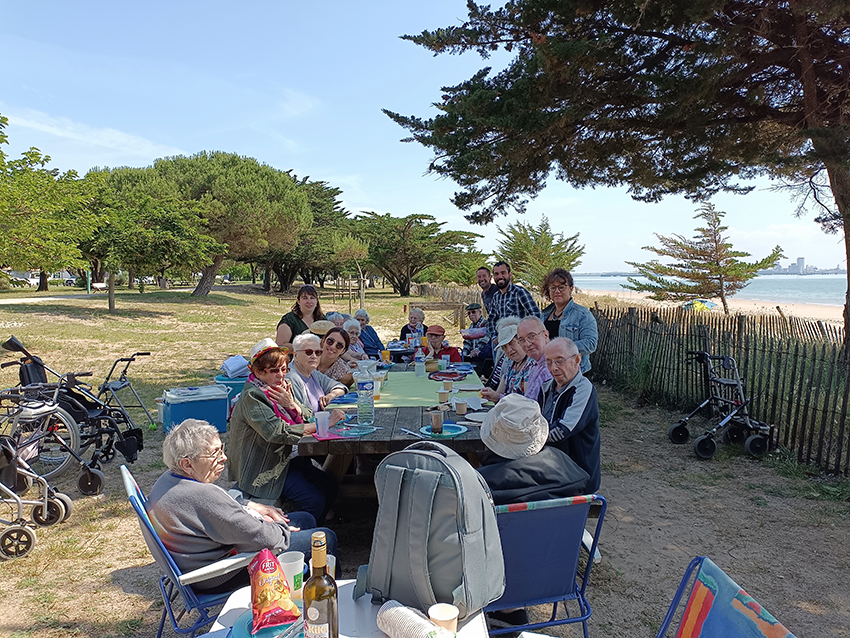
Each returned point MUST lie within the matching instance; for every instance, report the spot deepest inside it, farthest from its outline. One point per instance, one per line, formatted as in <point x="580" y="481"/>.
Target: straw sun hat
<point x="515" y="428"/>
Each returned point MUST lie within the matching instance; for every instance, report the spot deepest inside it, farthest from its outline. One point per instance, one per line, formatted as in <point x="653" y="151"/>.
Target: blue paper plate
<point x="449" y="430"/>
<point x="243" y="625"/>
<point x="351" y="397"/>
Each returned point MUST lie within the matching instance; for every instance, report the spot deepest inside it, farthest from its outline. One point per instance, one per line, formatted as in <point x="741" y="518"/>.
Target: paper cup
<point x="323" y="424"/>
<point x="437" y="422"/>
<point x="385" y="356"/>
<point x="444" y="615"/>
<point x="444" y="395"/>
<point x="447" y="385"/>
<point x="460" y="407"/>
<point x="331" y="566"/>
<point x="292" y="564"/>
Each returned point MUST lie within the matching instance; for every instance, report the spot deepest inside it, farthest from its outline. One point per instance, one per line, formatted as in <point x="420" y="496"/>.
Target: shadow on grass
<point x="82" y="312"/>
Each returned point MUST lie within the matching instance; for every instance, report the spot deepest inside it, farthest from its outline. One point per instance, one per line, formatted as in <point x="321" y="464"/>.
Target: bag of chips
<point x="270" y="599"/>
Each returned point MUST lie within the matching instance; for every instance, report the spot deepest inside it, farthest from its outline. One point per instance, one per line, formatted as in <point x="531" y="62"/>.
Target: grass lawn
<point x="92" y="575"/>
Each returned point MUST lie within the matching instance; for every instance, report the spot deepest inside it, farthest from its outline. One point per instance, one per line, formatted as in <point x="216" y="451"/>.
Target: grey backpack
<point x="436" y="539"/>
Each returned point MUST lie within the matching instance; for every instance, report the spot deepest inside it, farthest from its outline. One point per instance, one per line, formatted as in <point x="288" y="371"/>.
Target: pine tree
<point x="705" y="266"/>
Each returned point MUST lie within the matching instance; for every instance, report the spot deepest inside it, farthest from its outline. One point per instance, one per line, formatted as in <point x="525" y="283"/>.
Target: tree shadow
<point x="78" y="312"/>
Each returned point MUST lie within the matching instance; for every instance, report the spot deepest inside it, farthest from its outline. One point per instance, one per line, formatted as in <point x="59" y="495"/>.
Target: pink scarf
<point x="290" y="416"/>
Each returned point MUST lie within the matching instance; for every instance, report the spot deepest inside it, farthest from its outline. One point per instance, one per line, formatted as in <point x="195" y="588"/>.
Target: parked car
<point x="71" y="281"/>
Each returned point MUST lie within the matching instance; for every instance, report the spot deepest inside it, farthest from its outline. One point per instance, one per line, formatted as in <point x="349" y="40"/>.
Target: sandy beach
<point x="805" y="311"/>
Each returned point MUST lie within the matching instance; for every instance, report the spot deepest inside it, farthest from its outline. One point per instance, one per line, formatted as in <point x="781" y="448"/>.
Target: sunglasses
<point x="309" y="352"/>
<point x="276" y="370"/>
<point x="339" y="345"/>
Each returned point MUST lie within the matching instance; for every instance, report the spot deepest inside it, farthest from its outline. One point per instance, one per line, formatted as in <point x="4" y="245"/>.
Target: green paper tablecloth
<point x="405" y="389"/>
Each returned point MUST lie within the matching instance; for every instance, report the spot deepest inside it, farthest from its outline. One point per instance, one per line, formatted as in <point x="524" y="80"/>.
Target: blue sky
<point x="300" y="86"/>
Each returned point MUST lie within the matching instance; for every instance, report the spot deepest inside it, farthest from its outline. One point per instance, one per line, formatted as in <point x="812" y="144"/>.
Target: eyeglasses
<point x="339" y="345"/>
<point x="529" y="337"/>
<point x="563" y="288"/>
<point x="310" y="352"/>
<point x="279" y="370"/>
<point x="216" y="456"/>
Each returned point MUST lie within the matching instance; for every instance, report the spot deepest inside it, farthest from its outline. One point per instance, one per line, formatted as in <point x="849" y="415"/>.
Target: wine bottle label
<point x="316" y="631"/>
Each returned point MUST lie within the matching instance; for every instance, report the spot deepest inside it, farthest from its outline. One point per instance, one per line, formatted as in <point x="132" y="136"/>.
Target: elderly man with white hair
<point x="569" y="404"/>
<point x="372" y="343"/>
<point x="532" y="336"/>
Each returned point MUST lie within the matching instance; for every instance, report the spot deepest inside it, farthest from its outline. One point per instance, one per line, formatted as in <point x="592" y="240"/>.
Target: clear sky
<point x="300" y="85"/>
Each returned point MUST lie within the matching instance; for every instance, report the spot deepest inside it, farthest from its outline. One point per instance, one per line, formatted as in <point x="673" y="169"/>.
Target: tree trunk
<point x="42" y="281"/>
<point x="131" y="279"/>
<point x="111" y="293"/>
<point x="208" y="274"/>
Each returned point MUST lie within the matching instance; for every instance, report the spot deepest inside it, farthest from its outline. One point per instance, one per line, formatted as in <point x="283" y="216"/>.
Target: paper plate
<point x="350" y="397"/>
<point x="243" y="625"/>
<point x="468" y="387"/>
<point x="447" y="375"/>
<point x="449" y="430"/>
<point x="477" y="417"/>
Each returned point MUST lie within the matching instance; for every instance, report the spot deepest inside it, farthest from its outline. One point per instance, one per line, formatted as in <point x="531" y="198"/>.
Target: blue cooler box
<point x="236" y="384"/>
<point x="208" y="403"/>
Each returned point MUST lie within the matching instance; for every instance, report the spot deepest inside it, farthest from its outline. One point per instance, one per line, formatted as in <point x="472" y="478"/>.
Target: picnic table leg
<point x="337" y="464"/>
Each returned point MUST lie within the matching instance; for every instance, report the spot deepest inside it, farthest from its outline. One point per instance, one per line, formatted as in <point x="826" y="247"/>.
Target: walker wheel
<point x="756" y="445"/>
<point x="705" y="446"/>
<point x="678" y="433"/>
<point x="67" y="502"/>
<point x="55" y="513"/>
<point x="17" y="541"/>
<point x="90" y="483"/>
<point x="734" y="434"/>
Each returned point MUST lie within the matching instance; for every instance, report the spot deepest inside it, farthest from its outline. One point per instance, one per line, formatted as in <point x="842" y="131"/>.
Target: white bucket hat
<point x="515" y="428"/>
<point x="506" y="333"/>
<point x="264" y="346"/>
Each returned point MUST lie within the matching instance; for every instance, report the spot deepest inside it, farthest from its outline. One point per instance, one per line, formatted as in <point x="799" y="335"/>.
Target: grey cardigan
<point x="299" y="386"/>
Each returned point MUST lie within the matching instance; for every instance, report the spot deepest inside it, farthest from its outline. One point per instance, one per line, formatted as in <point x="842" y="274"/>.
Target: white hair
<point x="351" y="323"/>
<point x="570" y="348"/>
<point x="537" y="321"/>
<point x="418" y="313"/>
<point x="303" y="340"/>
<point x="331" y="316"/>
<point x="188" y="440"/>
<point x="362" y="313"/>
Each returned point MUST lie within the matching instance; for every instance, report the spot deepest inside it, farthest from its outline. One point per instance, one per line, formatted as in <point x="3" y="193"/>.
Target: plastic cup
<point x="437" y="422"/>
<point x="376" y="385"/>
<point x="441" y="365"/>
<point x="323" y="424"/>
<point x="385" y="356"/>
<point x="444" y="615"/>
<point x="331" y="565"/>
<point x="460" y="407"/>
<point x="444" y="395"/>
<point x="292" y="564"/>
<point x="448" y="385"/>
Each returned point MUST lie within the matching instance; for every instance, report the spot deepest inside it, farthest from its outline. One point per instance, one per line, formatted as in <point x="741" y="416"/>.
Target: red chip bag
<point x="270" y="599"/>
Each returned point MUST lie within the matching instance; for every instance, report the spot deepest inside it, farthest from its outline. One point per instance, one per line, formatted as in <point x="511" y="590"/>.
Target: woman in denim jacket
<point x="565" y="318"/>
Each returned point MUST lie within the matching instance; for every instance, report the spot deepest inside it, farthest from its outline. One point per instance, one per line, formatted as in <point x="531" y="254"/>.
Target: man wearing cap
<point x="516" y="465"/>
<point x="436" y="349"/>
<point x="569" y="404"/>
<point x="476" y="345"/>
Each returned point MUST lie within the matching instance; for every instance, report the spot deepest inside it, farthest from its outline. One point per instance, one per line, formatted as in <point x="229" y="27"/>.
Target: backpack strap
<point x="421" y="504"/>
<point x="385" y="531"/>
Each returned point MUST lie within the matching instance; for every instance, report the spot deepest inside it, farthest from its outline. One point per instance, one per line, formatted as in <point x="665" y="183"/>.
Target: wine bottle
<point x="320" y="594"/>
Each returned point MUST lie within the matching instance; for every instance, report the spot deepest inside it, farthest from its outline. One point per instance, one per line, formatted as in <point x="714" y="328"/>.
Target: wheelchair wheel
<point x="53" y="459"/>
<point x="91" y="483"/>
<point x="67" y="502"/>
<point x="107" y="453"/>
<point x="17" y="541"/>
<point x="734" y="434"/>
<point x="756" y="445"/>
<point x="678" y="433"/>
<point x="55" y="513"/>
<point x="705" y="446"/>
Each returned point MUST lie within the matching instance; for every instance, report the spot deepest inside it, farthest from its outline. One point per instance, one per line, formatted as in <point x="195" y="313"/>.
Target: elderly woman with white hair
<point x="372" y="343"/>
<point x="200" y="523"/>
<point x="309" y="386"/>
<point x="356" y="352"/>
<point x="416" y="318"/>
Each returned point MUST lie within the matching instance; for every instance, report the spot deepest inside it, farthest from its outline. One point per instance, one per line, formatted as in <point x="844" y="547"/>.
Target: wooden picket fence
<point x="792" y="368"/>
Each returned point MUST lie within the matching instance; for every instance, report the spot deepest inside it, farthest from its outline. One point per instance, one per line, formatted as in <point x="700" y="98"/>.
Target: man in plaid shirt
<point x="510" y="300"/>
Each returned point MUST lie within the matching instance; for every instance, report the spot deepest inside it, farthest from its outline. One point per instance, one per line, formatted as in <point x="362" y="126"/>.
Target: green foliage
<point x="705" y="266"/>
<point x="460" y="272"/>
<point x="402" y="247"/>
<point x="533" y="252"/>
<point x="43" y="214"/>
<point x="667" y="97"/>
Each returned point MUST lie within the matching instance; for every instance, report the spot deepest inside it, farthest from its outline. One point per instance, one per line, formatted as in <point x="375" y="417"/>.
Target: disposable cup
<point x="292" y="564"/>
<point x="444" y="395"/>
<point x="460" y="407"/>
<point x="331" y="565"/>
<point x="437" y="422"/>
<point x="444" y="615"/>
<point x="447" y="358"/>
<point x="323" y="423"/>
<point x="376" y="385"/>
<point x="442" y="365"/>
<point x="385" y="356"/>
<point x="447" y="385"/>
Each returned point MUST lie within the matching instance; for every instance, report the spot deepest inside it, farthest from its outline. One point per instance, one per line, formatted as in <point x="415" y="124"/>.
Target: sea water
<point x="825" y="290"/>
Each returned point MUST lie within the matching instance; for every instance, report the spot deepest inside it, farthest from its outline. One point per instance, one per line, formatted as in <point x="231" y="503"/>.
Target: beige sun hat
<point x="321" y="327"/>
<point x="506" y="334"/>
<point x="515" y="428"/>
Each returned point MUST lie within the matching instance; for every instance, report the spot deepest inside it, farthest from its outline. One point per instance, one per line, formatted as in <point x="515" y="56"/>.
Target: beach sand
<point x="801" y="310"/>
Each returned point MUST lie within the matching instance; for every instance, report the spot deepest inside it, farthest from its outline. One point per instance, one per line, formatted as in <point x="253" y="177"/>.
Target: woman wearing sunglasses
<point x="309" y="386"/>
<point x="335" y="343"/>
<point x="267" y="420"/>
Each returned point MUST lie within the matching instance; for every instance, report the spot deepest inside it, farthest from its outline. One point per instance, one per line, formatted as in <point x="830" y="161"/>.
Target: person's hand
<point x="490" y="395"/>
<point x="282" y="395"/>
<point x="269" y="513"/>
<point x="337" y="416"/>
<point x="309" y="428"/>
<point x="324" y="400"/>
<point x="474" y="353"/>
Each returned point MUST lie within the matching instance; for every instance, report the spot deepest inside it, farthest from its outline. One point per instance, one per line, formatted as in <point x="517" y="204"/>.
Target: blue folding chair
<point x="175" y="586"/>
<point x="541" y="545"/>
<point x="717" y="607"/>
